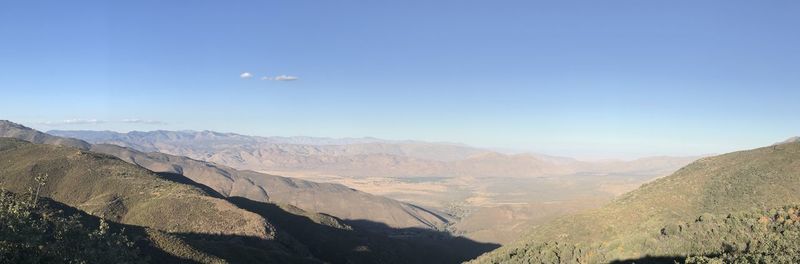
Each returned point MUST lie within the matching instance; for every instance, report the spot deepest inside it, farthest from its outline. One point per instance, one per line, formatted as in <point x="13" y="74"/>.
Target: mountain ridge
<point x="385" y="158"/>
<point x="310" y="196"/>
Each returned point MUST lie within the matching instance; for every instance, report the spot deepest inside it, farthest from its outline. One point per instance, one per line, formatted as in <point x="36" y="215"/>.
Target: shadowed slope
<point x="332" y="240"/>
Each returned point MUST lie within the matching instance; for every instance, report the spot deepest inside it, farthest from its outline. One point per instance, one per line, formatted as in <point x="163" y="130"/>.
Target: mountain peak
<point x="6" y="123"/>
<point x="790" y="140"/>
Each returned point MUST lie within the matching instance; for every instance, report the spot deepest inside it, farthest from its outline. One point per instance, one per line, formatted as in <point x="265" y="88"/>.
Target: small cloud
<point x="143" y="121"/>
<point x="74" y="122"/>
<point x="285" y="78"/>
<point x="281" y="78"/>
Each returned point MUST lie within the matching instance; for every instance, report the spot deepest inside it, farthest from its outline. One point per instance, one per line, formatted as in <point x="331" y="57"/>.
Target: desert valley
<point x="484" y="195"/>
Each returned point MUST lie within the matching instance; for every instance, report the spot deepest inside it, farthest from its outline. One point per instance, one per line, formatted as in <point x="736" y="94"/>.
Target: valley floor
<point x="492" y="209"/>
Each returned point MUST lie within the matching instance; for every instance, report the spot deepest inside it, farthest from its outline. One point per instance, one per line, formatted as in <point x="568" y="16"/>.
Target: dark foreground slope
<point x="643" y="223"/>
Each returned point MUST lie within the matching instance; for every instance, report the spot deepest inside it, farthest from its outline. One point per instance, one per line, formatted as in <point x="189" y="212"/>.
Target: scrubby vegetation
<point x="39" y="234"/>
<point x="771" y="236"/>
<point x="659" y="221"/>
<point x="756" y="236"/>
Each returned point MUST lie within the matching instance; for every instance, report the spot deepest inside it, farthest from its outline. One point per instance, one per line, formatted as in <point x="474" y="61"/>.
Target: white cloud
<point x="74" y="122"/>
<point x="143" y="121"/>
<point x="281" y="78"/>
<point x="285" y="78"/>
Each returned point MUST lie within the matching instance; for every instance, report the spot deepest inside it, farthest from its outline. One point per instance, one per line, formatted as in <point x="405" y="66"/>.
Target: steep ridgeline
<point x="333" y="199"/>
<point x="364" y="157"/>
<point x="659" y="220"/>
<point x="327" y="198"/>
<point x="13" y="130"/>
<point x="182" y="220"/>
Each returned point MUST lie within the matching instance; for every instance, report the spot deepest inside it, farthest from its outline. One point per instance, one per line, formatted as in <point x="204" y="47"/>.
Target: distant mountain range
<point x="210" y="142"/>
<point x="364" y="157"/>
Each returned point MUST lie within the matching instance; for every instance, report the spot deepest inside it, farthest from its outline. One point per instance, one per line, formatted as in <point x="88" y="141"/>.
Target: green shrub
<point x="34" y="234"/>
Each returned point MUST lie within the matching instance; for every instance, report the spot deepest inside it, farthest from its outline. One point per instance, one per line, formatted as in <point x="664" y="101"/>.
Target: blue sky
<point x="581" y="78"/>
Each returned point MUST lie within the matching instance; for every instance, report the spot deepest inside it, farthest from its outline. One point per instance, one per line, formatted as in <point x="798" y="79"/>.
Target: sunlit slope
<point x="182" y="219"/>
<point x="629" y="227"/>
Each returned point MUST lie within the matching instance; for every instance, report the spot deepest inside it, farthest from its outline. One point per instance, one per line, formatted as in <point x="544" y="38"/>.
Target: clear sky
<point x="579" y="78"/>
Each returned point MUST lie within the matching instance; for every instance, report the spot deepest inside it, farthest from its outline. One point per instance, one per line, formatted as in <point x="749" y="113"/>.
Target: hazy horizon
<point x="579" y="156"/>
